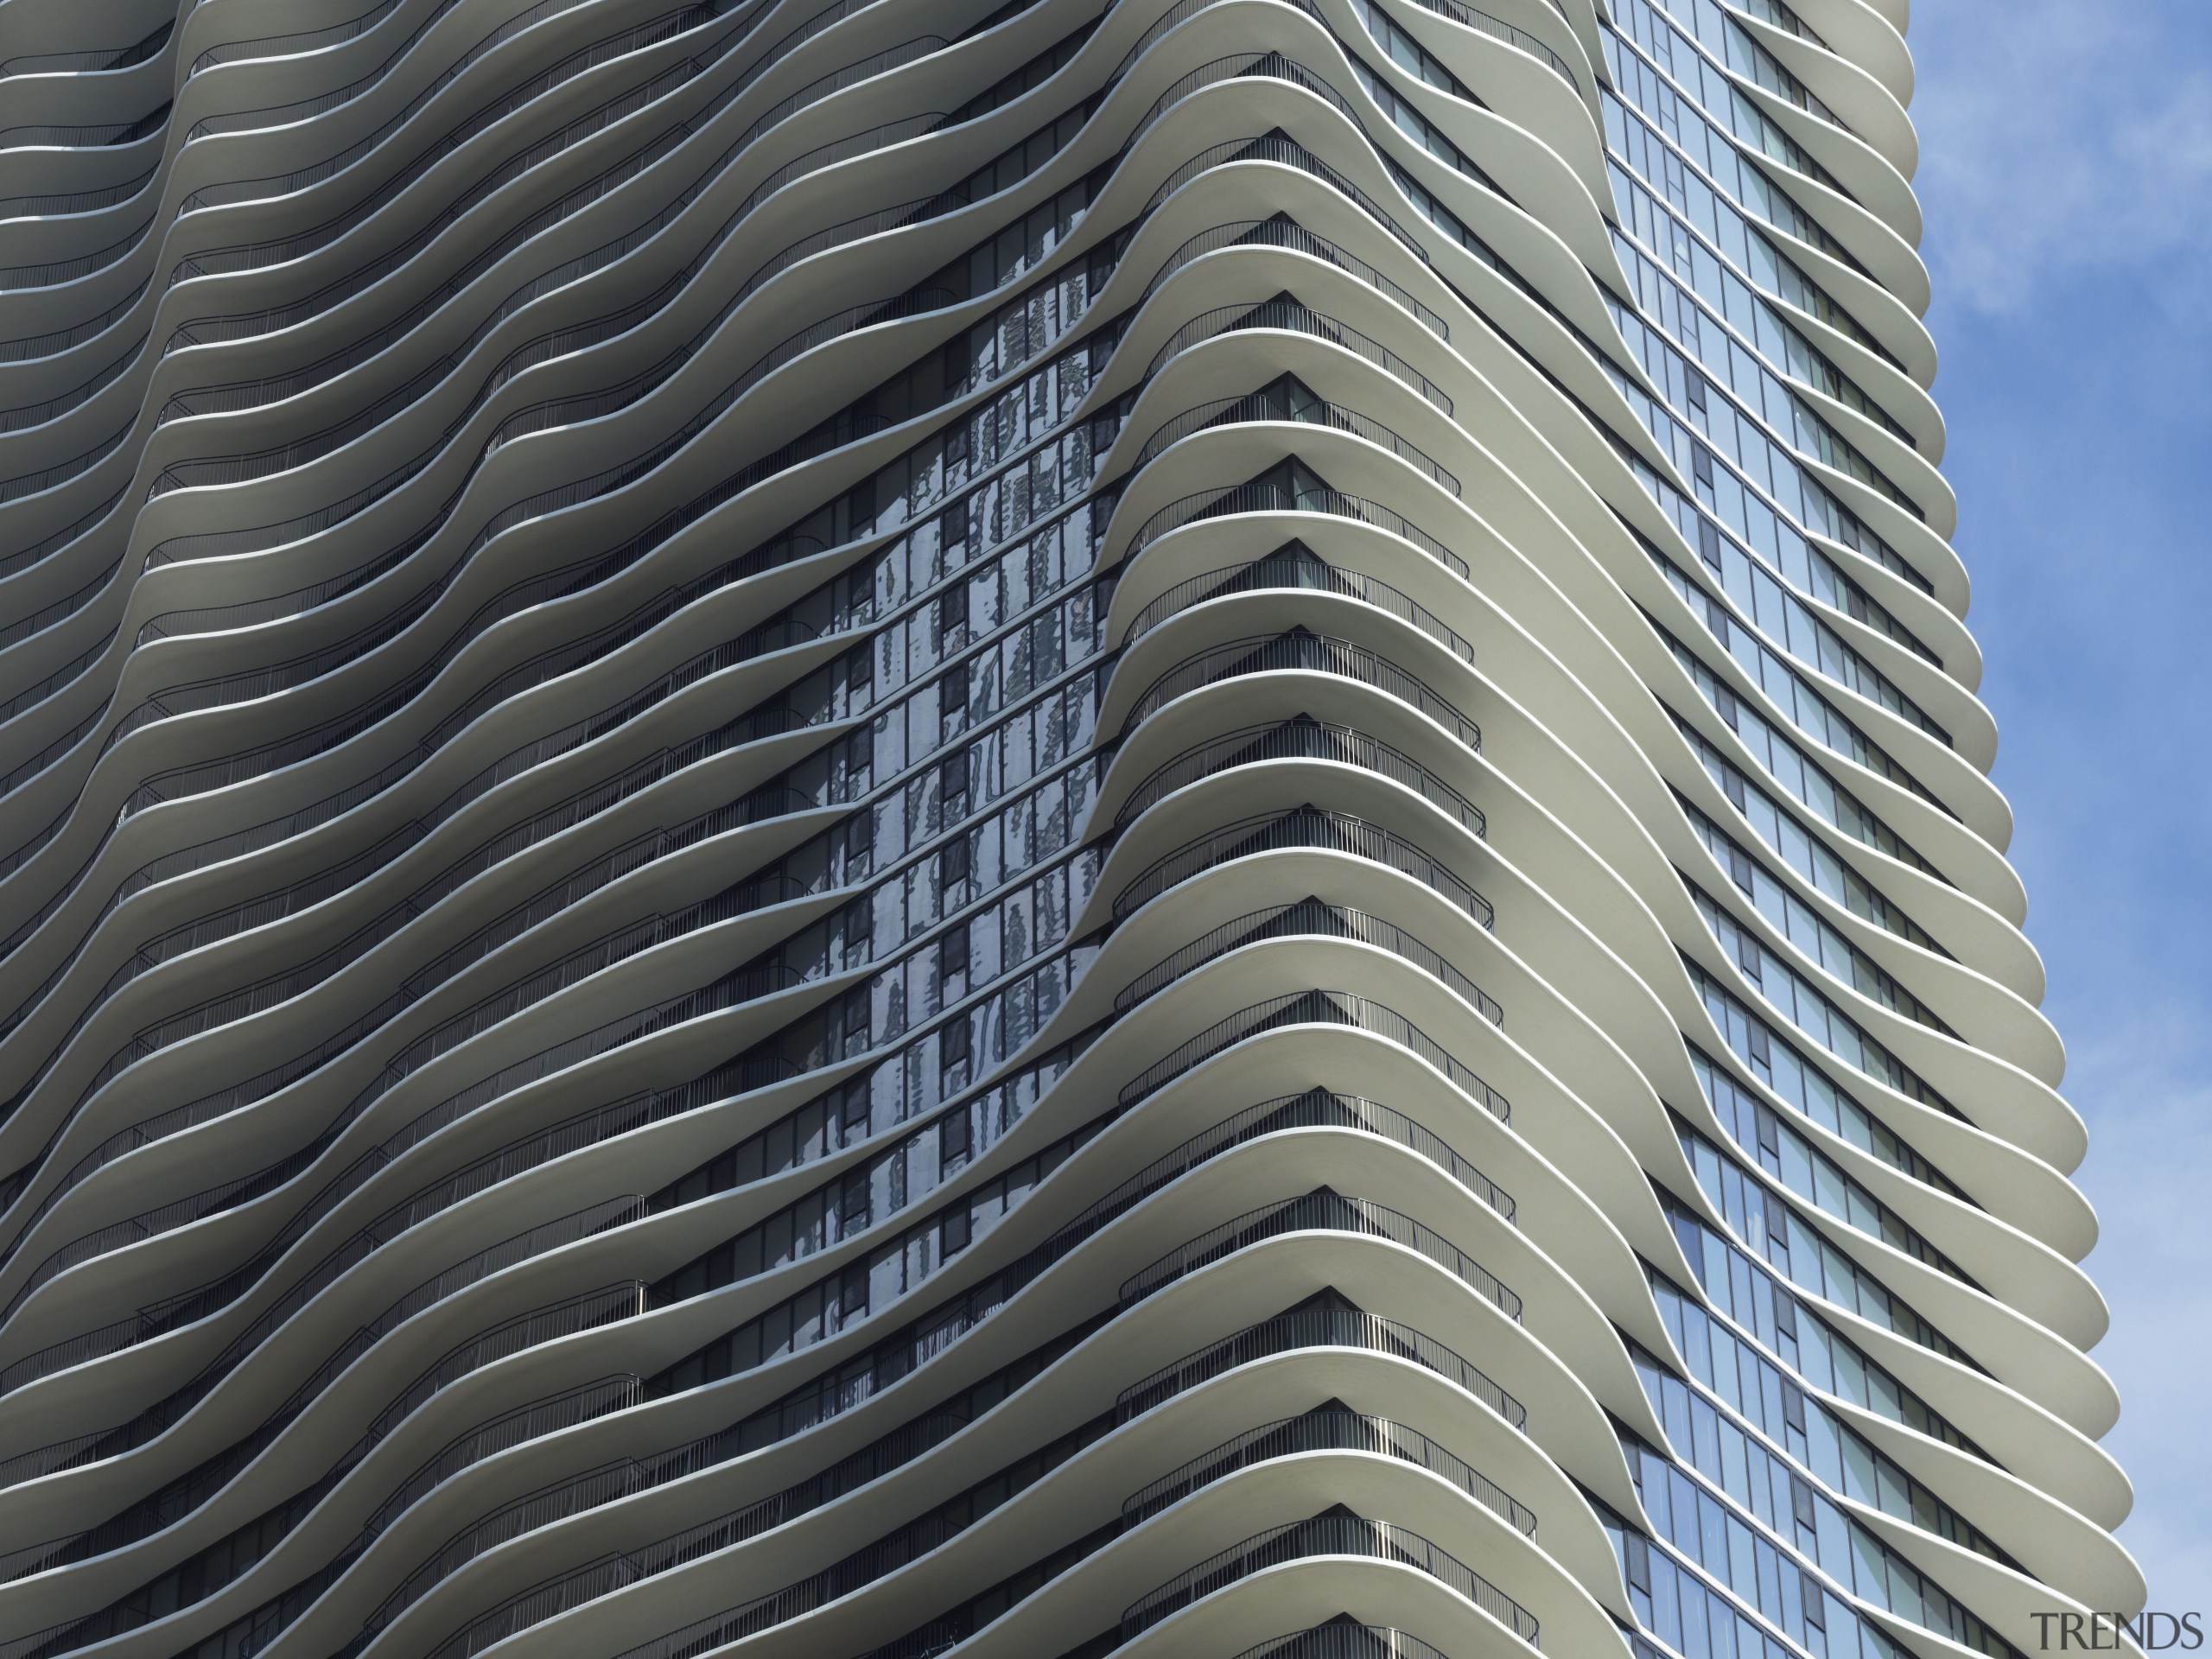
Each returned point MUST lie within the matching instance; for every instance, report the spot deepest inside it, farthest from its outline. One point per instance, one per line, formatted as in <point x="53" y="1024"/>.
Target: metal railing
<point x="1343" y="1637"/>
<point x="215" y="926"/>
<point x="1313" y="1007"/>
<point x="1498" y="29"/>
<point x="1182" y="11"/>
<point x="541" y="983"/>
<point x="575" y="734"/>
<point x="869" y="314"/>
<point x="775" y="359"/>
<point x="1320" y="1210"/>
<point x="57" y="204"/>
<point x="1300" y="650"/>
<point x="554" y="412"/>
<point x="46" y="756"/>
<point x="98" y="61"/>
<point x="618" y="1118"/>
<point x="55" y="272"/>
<point x="586" y="1312"/>
<point x="258" y="255"/>
<point x="39" y="690"/>
<point x="542" y="1601"/>
<point x="728" y="992"/>
<point x="1284" y="152"/>
<point x="1323" y="1325"/>
<point x="557" y="411"/>
<point x="1242" y="66"/>
<point x="52" y="751"/>
<point x="1326" y="1428"/>
<point x="513" y="1427"/>
<point x="836" y="10"/>
<point x="1296" y="568"/>
<point x="255" y="465"/>
<point x="583" y="1313"/>
<point x="550" y="1596"/>
<point x="45" y="477"/>
<point x="887" y="1553"/>
<point x="24" y="627"/>
<point x="1284" y="231"/>
<point x="241" y="1003"/>
<point x="539" y="1417"/>
<point x="1304" y="826"/>
<point x="24" y="416"/>
<point x="1254" y="407"/>
<point x="563" y="581"/>
<point x="97" y="136"/>
<point x="1317" y="1108"/>
<point x="539" y="586"/>
<point x="1337" y="1532"/>
<point x="197" y="778"/>
<point x="1267" y="495"/>
<point x="25" y="348"/>
<point x="570" y="810"/>
<point x="159" y="1318"/>
<point x="284" y="46"/>
<point x="301" y="110"/>
<point x="1299" y="739"/>
<point x="554" y="1503"/>
<point x="1293" y="316"/>
<point x="1306" y="918"/>
<point x="669" y="523"/>
<point x="449" y="1032"/>
<point x="206" y="330"/>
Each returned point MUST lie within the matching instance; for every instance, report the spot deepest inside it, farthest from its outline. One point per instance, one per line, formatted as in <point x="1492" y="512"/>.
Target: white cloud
<point x="2061" y="138"/>
<point x="2142" y="1086"/>
<point x="2067" y="173"/>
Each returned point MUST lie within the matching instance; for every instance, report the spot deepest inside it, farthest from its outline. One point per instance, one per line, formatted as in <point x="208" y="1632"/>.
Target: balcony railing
<point x="1299" y="739"/>
<point x="1300" y="650"/>
<point x="595" y="1398"/>
<point x="1326" y="1429"/>
<point x="540" y="1417"/>
<point x="1337" y="1532"/>
<point x="99" y="61"/>
<point x="1313" y="1007"/>
<point x="271" y="907"/>
<point x="172" y="1312"/>
<point x="1343" y="1637"/>
<point x="1321" y="1210"/>
<point x="1292" y="317"/>
<point x="487" y="1011"/>
<point x="1283" y="152"/>
<point x="1317" y="1108"/>
<point x="1266" y="495"/>
<point x="1317" y="1325"/>
<point x="1308" y="916"/>
<point x="1497" y="28"/>
<point x="1231" y="411"/>
<point x="1242" y="66"/>
<point x="284" y="46"/>
<point x="1304" y="826"/>
<point x="1297" y="567"/>
<point x="1284" y="231"/>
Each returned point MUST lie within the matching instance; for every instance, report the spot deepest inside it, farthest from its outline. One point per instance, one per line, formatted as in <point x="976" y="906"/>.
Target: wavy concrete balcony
<point x="871" y="829"/>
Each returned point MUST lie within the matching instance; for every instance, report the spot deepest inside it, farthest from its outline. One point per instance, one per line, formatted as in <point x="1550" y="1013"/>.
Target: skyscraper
<point x="849" y="829"/>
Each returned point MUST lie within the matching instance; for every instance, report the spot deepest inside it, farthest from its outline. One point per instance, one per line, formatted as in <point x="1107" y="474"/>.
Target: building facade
<point x="856" y="829"/>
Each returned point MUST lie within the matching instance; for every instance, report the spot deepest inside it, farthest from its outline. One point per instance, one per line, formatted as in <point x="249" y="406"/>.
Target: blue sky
<point x="2066" y="175"/>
